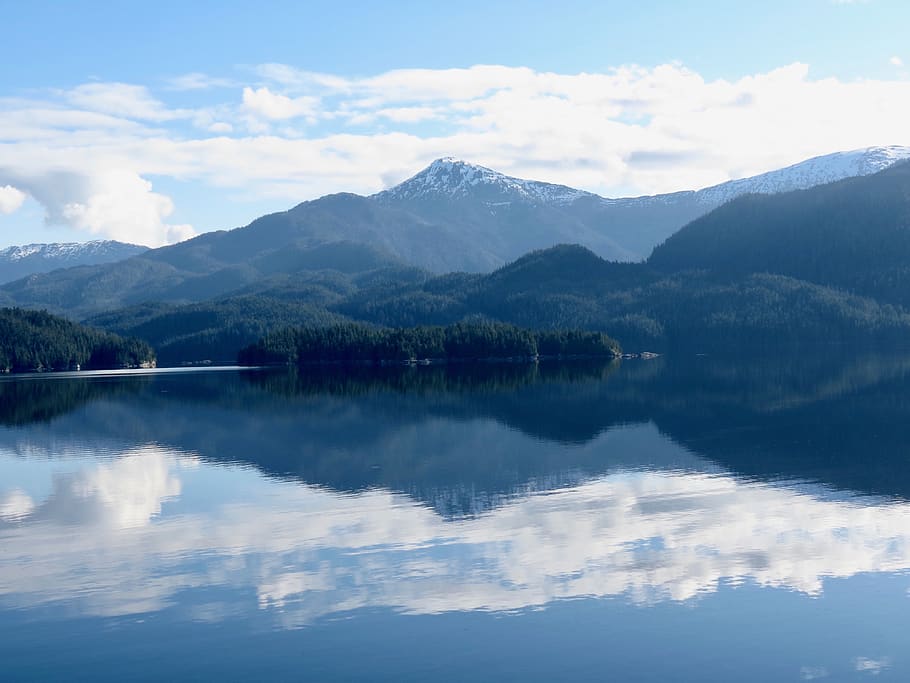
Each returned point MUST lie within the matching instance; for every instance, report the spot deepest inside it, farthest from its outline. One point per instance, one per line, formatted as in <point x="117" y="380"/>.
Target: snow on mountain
<point x="505" y="216"/>
<point x="450" y="178"/>
<point x="69" y="250"/>
<point x="816" y="171"/>
<point x="27" y="259"/>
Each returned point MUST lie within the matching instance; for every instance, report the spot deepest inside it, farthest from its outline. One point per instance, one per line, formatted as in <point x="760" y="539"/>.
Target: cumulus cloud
<point x="274" y="106"/>
<point x="114" y="203"/>
<point x="896" y="61"/>
<point x="10" y="199"/>
<point x="295" y="134"/>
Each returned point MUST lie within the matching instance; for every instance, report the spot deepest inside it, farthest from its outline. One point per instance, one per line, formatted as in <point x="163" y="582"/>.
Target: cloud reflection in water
<point x="104" y="543"/>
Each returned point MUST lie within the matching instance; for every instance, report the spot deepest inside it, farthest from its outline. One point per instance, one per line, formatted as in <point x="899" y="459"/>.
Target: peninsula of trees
<point x="36" y="341"/>
<point x="465" y="341"/>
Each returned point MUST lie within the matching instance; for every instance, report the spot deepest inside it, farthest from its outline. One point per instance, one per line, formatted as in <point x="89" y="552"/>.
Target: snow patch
<point x="816" y="171"/>
<point x="67" y="251"/>
<point x="451" y="177"/>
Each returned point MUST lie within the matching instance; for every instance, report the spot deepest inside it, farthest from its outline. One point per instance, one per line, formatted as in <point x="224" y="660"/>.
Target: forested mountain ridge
<point x="853" y="234"/>
<point x="556" y="289"/>
<point x="821" y="264"/>
<point x="452" y="216"/>
<point x="199" y="269"/>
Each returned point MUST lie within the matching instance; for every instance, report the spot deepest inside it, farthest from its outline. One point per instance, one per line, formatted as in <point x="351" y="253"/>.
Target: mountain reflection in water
<point x="434" y="490"/>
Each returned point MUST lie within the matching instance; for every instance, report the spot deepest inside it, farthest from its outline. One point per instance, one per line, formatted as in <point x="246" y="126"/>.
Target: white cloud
<point x="10" y="199"/>
<point x="121" y="205"/>
<point x="274" y="106"/>
<point x="199" y="81"/>
<point x="896" y="61"/>
<point x="603" y="132"/>
<point x="121" y="99"/>
<point x="116" y="203"/>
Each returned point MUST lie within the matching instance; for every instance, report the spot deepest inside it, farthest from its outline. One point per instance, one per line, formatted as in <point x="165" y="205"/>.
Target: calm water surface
<point x="679" y="519"/>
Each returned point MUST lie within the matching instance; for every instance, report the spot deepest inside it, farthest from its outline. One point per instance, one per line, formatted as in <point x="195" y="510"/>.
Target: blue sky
<point x="151" y="122"/>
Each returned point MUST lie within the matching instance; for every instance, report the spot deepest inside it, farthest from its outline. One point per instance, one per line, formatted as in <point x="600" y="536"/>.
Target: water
<point x="677" y="519"/>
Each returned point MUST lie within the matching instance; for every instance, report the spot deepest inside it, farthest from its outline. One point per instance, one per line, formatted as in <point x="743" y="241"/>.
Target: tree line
<point x="35" y="341"/>
<point x="476" y="340"/>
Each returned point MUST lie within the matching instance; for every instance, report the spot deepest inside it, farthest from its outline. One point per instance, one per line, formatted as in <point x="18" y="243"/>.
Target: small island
<point x="462" y="342"/>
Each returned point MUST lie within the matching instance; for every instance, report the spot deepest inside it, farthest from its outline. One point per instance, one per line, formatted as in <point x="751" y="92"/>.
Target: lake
<point x="687" y="518"/>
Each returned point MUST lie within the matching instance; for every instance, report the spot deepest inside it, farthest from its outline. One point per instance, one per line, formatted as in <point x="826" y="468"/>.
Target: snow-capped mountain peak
<point x="815" y="171"/>
<point x="68" y="250"/>
<point x="450" y="177"/>
<point x="19" y="261"/>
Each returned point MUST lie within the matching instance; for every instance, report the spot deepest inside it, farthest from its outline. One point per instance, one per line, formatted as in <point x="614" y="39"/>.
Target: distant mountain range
<point x="18" y="262"/>
<point x="488" y="218"/>
<point x="452" y="216"/>
<point x="826" y="264"/>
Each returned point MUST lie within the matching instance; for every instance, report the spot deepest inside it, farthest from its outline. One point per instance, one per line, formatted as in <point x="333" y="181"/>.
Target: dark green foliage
<point x="561" y="343"/>
<point x="355" y="343"/>
<point x="853" y="234"/>
<point x="571" y="288"/>
<point x="213" y="331"/>
<point x="210" y="266"/>
<point x="564" y="288"/>
<point x="38" y="341"/>
<point x="827" y="264"/>
<point x="488" y="340"/>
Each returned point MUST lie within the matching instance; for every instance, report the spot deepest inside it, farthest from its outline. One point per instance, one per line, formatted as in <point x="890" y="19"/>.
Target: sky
<point x="153" y="122"/>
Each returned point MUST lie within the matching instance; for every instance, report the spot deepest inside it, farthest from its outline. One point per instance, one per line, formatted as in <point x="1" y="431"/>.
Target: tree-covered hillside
<point x="38" y="341"/>
<point x="853" y="234"/>
<point x="210" y="266"/>
<point x="569" y="287"/>
<point x="827" y="264"/>
<point x="564" y="287"/>
<point x="212" y="331"/>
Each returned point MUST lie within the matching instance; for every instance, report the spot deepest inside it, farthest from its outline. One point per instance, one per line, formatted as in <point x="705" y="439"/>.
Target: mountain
<point x="499" y="217"/>
<point x="569" y="287"/>
<point x="853" y="234"/>
<point x="449" y="177"/>
<point x="452" y="216"/>
<point x="18" y="262"/>
<point x="830" y="263"/>
<point x="810" y="173"/>
<point x="203" y="268"/>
